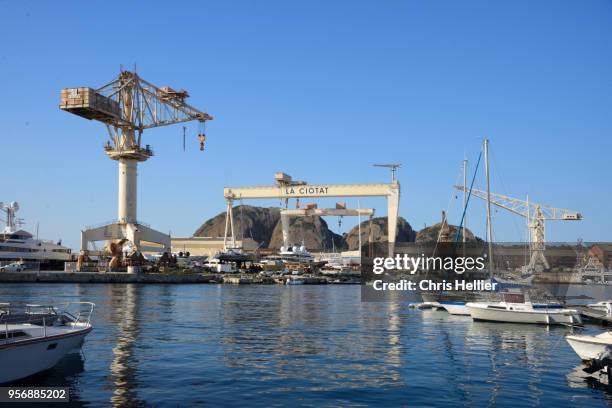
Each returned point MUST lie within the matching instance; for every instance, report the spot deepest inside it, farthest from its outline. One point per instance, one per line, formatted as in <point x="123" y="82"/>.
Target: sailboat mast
<point x="359" y="228"/>
<point x="465" y="163"/>
<point x="489" y="226"/>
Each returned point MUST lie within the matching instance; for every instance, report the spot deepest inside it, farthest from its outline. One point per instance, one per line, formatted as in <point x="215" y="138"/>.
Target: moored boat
<point x="590" y="347"/>
<point x="603" y="305"/>
<point x="522" y="312"/>
<point x="455" y="308"/>
<point x="36" y="339"/>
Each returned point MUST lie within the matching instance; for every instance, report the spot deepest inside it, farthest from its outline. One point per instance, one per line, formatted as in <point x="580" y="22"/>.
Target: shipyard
<point x="306" y="204"/>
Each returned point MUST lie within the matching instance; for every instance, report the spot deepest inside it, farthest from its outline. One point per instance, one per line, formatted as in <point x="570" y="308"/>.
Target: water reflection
<point x="305" y="345"/>
<point x="309" y="336"/>
<point x="123" y="368"/>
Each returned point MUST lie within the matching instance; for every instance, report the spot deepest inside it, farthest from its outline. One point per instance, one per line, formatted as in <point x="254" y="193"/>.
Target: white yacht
<point x="36" y="339"/>
<point x="296" y="254"/>
<point x="520" y="311"/>
<point x="19" y="245"/>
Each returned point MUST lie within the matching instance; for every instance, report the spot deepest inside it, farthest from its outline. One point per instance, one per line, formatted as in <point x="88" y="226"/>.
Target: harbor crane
<point x="285" y="188"/>
<point x="128" y="105"/>
<point x="536" y="215"/>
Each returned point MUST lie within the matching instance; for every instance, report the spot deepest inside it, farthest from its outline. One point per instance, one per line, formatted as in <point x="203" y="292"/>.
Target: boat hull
<point x="483" y="313"/>
<point x="23" y="359"/>
<point x="455" y="308"/>
<point x="589" y="347"/>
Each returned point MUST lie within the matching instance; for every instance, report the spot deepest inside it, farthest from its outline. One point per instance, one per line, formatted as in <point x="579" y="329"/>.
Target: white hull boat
<point x="604" y="306"/>
<point x="589" y="347"/>
<point x="33" y="342"/>
<point x="294" y="280"/>
<point x="456" y="308"/>
<point x="522" y="313"/>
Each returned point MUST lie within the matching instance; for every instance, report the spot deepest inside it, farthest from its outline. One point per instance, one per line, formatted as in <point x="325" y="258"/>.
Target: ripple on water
<point x="307" y="345"/>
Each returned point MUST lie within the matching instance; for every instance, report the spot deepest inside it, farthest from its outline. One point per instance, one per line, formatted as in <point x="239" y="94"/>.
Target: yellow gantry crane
<point x="127" y="106"/>
<point x="536" y="215"/>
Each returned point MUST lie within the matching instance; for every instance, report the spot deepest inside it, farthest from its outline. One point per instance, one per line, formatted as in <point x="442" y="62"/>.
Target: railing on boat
<point x="73" y="313"/>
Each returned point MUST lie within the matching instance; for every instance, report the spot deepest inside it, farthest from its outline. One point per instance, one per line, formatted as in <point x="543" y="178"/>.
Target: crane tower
<point x="536" y="215"/>
<point x="127" y="106"/>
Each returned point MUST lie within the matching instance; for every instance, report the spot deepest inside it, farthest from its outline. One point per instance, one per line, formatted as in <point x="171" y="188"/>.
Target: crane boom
<point x="536" y="215"/>
<point x="152" y="106"/>
<point x="525" y="208"/>
<point x="127" y="105"/>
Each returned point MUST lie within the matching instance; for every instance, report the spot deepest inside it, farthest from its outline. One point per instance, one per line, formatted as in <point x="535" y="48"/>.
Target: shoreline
<point x="153" y="278"/>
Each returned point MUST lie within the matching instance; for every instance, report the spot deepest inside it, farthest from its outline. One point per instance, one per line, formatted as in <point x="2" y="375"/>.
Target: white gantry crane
<point x="127" y="106"/>
<point x="536" y="215"/>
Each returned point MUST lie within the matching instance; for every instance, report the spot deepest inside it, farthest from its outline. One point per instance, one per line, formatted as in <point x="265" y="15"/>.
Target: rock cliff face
<point x="312" y="231"/>
<point x="405" y="233"/>
<point x="264" y="226"/>
<point x="252" y="222"/>
<point x="430" y="234"/>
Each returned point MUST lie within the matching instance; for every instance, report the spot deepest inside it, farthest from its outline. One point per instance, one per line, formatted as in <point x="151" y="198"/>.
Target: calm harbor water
<point x="190" y="345"/>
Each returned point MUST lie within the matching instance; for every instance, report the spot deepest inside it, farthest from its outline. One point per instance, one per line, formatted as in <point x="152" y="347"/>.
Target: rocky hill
<point x="312" y="231"/>
<point x="431" y="233"/>
<point x="264" y="226"/>
<point x="253" y="222"/>
<point x="405" y="233"/>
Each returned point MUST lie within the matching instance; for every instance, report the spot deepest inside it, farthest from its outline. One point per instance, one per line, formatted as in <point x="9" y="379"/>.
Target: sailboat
<point x="455" y="304"/>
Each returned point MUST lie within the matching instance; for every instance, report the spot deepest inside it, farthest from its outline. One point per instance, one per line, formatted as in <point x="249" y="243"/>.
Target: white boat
<point x="589" y="347"/>
<point x="455" y="308"/>
<point x="604" y="305"/>
<point x="215" y="265"/>
<point x="19" y="245"/>
<point x="36" y="340"/>
<point x="295" y="280"/>
<point x="295" y="254"/>
<point x="525" y="312"/>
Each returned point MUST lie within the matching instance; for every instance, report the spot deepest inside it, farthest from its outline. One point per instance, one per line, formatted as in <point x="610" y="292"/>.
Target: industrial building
<point x="207" y="246"/>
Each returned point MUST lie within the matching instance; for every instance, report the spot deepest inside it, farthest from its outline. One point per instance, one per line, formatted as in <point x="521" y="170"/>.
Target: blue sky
<point x="320" y="90"/>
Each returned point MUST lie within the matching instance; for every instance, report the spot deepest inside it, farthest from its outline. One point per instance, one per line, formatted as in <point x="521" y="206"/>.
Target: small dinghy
<point x="514" y="309"/>
<point x="590" y="347"/>
<point x="36" y="338"/>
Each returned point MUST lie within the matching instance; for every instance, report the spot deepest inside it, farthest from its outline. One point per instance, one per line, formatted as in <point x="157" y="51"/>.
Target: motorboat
<point x="514" y="309"/>
<point x="453" y="302"/>
<point x="603" y="305"/>
<point x="590" y="347"/>
<point x="455" y="307"/>
<point x="295" y="254"/>
<point x="232" y="254"/>
<point x="295" y="280"/>
<point x="35" y="338"/>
